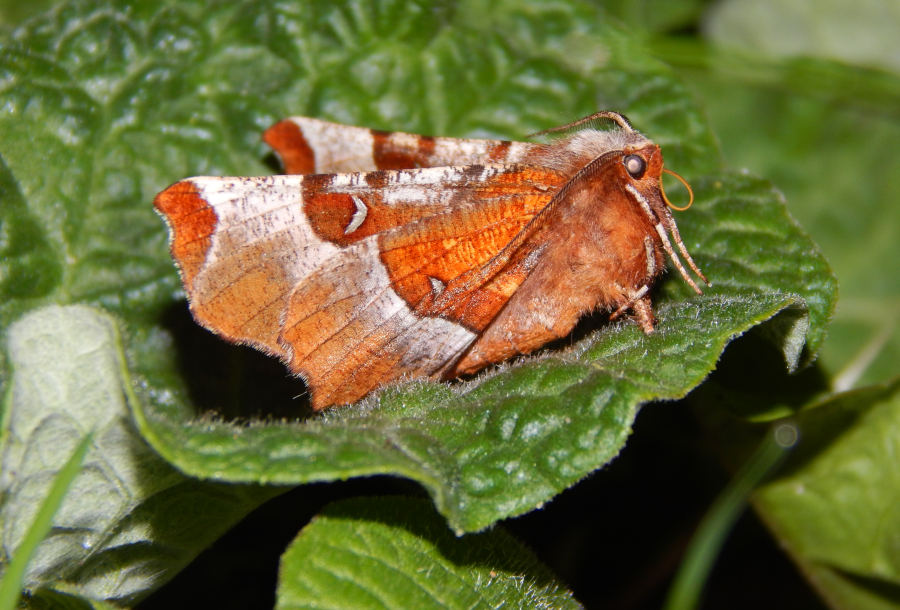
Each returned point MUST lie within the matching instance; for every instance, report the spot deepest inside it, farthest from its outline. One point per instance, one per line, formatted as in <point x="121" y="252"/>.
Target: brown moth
<point x="386" y="255"/>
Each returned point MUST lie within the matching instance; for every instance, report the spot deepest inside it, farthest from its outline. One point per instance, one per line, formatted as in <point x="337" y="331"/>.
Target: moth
<point x="386" y="255"/>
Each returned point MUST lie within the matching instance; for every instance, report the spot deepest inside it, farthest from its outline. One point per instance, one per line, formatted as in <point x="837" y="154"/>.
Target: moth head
<point x="642" y="170"/>
<point x="642" y="162"/>
<point x="637" y="165"/>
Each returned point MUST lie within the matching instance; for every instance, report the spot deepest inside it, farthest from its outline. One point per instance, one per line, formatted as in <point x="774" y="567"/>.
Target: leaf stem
<point x="713" y="530"/>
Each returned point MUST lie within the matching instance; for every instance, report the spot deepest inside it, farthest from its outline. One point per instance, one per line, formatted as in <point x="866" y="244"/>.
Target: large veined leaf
<point x="511" y="439"/>
<point x="146" y="122"/>
<point x="130" y="520"/>
<point x="105" y="104"/>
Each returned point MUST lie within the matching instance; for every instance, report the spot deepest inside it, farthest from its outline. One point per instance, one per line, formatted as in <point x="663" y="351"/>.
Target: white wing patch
<point x="437" y="286"/>
<point x="359" y="216"/>
<point x="261" y="212"/>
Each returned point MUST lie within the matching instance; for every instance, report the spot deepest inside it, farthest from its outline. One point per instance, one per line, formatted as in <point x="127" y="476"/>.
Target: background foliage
<point x="104" y="105"/>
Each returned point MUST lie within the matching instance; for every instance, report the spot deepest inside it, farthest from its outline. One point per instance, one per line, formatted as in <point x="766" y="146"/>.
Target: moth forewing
<point x="433" y="257"/>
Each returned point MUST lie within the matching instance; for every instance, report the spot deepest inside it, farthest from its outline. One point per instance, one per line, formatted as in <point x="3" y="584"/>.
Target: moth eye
<point x="635" y="166"/>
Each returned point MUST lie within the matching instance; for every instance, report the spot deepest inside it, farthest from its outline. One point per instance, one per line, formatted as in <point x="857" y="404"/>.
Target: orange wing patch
<point x="297" y="156"/>
<point x="394" y="151"/>
<point x="345" y="322"/>
<point x="437" y="265"/>
<point x="345" y="213"/>
<point x="192" y="222"/>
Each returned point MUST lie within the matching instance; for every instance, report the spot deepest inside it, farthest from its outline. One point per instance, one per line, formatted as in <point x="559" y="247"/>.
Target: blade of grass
<point x="701" y="553"/>
<point x="11" y="585"/>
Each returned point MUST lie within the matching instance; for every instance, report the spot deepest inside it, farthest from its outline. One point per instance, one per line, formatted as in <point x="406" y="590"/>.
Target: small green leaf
<point x="130" y="521"/>
<point x="834" y="506"/>
<point x="398" y="553"/>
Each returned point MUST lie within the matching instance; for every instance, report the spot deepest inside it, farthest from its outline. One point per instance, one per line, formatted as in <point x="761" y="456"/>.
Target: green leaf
<point x="512" y="439"/>
<point x="825" y="133"/>
<point x="834" y="507"/>
<point x="403" y="556"/>
<point x="106" y="103"/>
<point x="130" y="521"/>
<point x="63" y="598"/>
<point x="14" y="576"/>
<point x="106" y="106"/>
<point x="655" y="15"/>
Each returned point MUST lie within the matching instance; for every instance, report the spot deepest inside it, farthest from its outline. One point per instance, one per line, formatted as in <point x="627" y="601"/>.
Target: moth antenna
<point x="686" y="185"/>
<point x="617" y="118"/>
<point x="674" y="228"/>
<point x="667" y="246"/>
<point x="681" y="248"/>
<point x="662" y="225"/>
